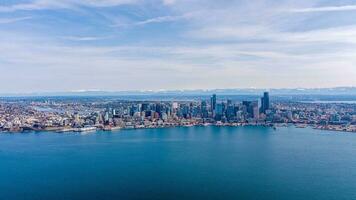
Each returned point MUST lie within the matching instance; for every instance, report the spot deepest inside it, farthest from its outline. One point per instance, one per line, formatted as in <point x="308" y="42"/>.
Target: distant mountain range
<point x="274" y="92"/>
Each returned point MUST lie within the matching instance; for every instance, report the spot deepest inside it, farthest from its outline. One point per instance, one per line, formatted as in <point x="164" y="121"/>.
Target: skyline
<point x="125" y="45"/>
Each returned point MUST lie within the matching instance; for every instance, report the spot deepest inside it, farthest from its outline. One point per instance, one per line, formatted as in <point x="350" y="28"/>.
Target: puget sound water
<point x="180" y="163"/>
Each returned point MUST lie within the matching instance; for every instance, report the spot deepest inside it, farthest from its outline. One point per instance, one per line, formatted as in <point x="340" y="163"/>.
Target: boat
<point x="301" y="125"/>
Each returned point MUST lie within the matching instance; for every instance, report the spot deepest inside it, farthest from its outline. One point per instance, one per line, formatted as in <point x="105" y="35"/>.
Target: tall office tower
<point x="219" y="111"/>
<point x="106" y="117"/>
<point x="251" y="109"/>
<point x="265" y="102"/>
<point x="204" y="109"/>
<point x="230" y="111"/>
<point x="184" y="110"/>
<point x="255" y="110"/>
<point x="175" y="105"/>
<point x="229" y="102"/>
<point x="144" y="106"/>
<point x="159" y="108"/>
<point x="213" y="102"/>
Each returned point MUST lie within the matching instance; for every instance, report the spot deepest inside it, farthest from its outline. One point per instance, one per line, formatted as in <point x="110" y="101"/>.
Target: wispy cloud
<point x="115" y="66"/>
<point x="163" y="19"/>
<point x="13" y="20"/>
<point x="238" y="43"/>
<point x="326" y="9"/>
<point x="343" y="34"/>
<point x="84" y="38"/>
<point x="34" y="5"/>
<point x="169" y="2"/>
<point x="155" y="20"/>
<point x="62" y="4"/>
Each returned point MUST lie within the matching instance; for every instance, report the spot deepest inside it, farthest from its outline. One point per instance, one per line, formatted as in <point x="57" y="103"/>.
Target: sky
<point x="120" y="45"/>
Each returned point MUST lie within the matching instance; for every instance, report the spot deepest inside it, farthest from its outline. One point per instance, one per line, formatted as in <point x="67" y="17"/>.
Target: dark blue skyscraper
<point x="145" y="106"/>
<point x="265" y="102"/>
<point x="230" y="110"/>
<point x="213" y="102"/>
<point x="219" y="111"/>
<point x="204" y="109"/>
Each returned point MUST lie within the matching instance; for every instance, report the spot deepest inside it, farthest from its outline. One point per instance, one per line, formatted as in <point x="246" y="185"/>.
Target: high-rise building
<point x="219" y="111"/>
<point x="255" y="110"/>
<point x="252" y="110"/>
<point x="144" y="106"/>
<point x="213" y="102"/>
<point x="230" y="111"/>
<point x="204" y="109"/>
<point x="265" y="102"/>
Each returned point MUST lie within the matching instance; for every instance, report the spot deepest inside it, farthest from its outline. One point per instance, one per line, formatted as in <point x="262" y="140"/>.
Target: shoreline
<point x="335" y="128"/>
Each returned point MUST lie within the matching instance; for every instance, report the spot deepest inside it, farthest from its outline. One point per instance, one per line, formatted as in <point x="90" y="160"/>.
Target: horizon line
<point x="37" y="93"/>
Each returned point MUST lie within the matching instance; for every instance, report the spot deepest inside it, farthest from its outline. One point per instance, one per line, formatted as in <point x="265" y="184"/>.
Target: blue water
<point x="180" y="163"/>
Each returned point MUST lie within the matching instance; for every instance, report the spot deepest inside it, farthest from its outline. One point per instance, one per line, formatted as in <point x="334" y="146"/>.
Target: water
<point x="180" y="163"/>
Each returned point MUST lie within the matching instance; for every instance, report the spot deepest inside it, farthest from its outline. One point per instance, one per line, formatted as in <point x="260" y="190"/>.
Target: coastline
<point x="336" y="128"/>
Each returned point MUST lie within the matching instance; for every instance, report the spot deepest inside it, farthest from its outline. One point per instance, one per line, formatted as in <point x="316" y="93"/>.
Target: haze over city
<point x="70" y="45"/>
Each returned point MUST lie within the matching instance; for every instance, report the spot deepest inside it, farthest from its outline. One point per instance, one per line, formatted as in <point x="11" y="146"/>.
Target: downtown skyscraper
<point x="265" y="102"/>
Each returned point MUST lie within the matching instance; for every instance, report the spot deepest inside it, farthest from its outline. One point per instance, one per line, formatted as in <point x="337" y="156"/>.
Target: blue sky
<point x="71" y="45"/>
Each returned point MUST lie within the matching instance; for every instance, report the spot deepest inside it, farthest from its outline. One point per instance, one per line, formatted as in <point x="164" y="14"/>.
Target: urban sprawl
<point x="83" y="116"/>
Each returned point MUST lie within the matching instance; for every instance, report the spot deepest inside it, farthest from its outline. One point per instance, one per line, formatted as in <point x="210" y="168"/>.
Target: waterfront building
<point x="23" y="116"/>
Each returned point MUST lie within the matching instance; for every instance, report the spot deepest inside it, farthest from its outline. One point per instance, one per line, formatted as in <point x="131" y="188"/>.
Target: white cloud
<point x="70" y="67"/>
<point x="35" y="5"/>
<point x="326" y="9"/>
<point x="343" y="34"/>
<point x="253" y="45"/>
<point x="62" y="4"/>
<point x="160" y="19"/>
<point x="84" y="38"/>
<point x="163" y="19"/>
<point x="13" y="20"/>
<point x="169" y="2"/>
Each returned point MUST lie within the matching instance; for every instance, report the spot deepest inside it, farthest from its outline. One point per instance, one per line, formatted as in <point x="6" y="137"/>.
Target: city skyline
<point x="90" y="114"/>
<point x="125" y="45"/>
